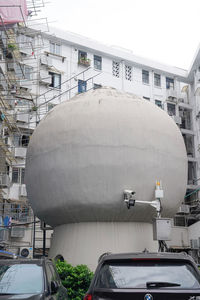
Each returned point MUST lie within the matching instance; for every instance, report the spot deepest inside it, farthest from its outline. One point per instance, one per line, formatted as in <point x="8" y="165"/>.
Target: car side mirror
<point x="54" y="287"/>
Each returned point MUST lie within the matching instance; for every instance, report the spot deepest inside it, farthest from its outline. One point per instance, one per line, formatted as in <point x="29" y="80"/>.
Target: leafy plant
<point x="12" y="47"/>
<point x="75" y="279"/>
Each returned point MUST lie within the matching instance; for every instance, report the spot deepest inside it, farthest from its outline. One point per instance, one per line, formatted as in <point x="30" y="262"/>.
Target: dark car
<point x="33" y="279"/>
<point x="145" y="276"/>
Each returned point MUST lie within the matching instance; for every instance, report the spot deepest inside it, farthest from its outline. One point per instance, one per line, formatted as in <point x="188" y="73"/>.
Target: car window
<point x="137" y="274"/>
<point x="21" y="279"/>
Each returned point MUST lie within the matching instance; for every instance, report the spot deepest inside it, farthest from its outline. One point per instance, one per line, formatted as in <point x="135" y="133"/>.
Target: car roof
<point x="40" y="261"/>
<point x="146" y="255"/>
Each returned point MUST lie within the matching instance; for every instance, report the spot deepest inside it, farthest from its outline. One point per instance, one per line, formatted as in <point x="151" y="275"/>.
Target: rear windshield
<point x="21" y="279"/>
<point x="137" y="274"/>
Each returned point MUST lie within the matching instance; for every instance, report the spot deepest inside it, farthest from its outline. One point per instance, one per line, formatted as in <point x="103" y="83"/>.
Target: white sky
<point x="162" y="30"/>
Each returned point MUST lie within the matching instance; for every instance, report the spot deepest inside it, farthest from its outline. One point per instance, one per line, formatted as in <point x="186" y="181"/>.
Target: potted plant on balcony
<point x="84" y="61"/>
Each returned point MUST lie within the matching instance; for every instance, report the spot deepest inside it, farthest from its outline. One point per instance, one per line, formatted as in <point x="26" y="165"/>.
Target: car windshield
<point x="146" y="274"/>
<point x="21" y="279"/>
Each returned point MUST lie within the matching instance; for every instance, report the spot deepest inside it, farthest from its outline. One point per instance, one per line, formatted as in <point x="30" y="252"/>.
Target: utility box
<point x="162" y="229"/>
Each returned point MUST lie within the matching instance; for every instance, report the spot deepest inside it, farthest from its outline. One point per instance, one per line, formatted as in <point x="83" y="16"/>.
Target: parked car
<point x="145" y="276"/>
<point x="32" y="279"/>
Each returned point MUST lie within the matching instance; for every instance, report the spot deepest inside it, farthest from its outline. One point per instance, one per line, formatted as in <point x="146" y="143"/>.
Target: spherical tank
<point x="87" y="151"/>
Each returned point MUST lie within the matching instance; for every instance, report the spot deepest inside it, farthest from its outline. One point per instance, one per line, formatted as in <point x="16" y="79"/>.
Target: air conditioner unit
<point x="17" y="232"/>
<point x="26" y="252"/>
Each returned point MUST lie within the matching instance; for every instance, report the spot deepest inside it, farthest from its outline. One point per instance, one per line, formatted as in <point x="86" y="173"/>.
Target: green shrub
<point x="75" y="279"/>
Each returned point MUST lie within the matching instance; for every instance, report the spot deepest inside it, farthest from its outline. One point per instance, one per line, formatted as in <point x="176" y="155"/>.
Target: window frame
<point x="157" y="79"/>
<point x="20" y="175"/>
<point x="169" y="83"/>
<point x="52" y="84"/>
<point x="145" y="77"/>
<point x="98" y="59"/>
<point x="82" y="86"/>
<point x="53" y="47"/>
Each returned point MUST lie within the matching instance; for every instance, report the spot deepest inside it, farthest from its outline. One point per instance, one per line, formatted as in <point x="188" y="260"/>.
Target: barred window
<point x="115" y="69"/>
<point x="128" y="73"/>
<point x="157" y="79"/>
<point x="145" y="76"/>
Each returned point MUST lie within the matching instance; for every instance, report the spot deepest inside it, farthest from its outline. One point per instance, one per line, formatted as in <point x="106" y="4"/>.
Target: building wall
<point x="67" y="65"/>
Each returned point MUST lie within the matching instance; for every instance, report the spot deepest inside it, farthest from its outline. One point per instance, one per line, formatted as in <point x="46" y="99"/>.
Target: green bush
<point x="75" y="279"/>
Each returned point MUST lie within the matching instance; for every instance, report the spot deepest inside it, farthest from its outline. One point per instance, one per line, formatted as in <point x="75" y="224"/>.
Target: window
<point x="146" y="98"/>
<point x="135" y="275"/>
<point x="171" y="108"/>
<point x="22" y="175"/>
<point x="169" y="83"/>
<point x="97" y="86"/>
<point x="157" y="79"/>
<point x="115" y="69"/>
<point x="55" y="48"/>
<point x="145" y="76"/>
<point x="97" y="62"/>
<point x="25" y="140"/>
<point x="18" y="175"/>
<point x="158" y="103"/>
<point x="82" y="59"/>
<point x="21" y="140"/>
<point x="82" y="86"/>
<point x="15" y="175"/>
<point x="128" y="73"/>
<point x="21" y="279"/>
<point x="55" y="80"/>
<point x="82" y="55"/>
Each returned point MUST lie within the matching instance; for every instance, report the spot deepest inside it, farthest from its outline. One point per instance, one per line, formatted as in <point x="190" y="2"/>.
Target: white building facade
<point x="64" y="64"/>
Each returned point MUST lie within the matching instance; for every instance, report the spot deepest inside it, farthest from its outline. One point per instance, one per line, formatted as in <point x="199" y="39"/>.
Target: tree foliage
<point x="75" y="279"/>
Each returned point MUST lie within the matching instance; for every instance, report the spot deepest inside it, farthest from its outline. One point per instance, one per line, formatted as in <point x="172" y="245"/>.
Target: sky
<point x="163" y="30"/>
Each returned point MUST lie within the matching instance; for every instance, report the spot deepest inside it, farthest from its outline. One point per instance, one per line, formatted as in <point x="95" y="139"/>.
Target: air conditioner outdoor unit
<point x="26" y="252"/>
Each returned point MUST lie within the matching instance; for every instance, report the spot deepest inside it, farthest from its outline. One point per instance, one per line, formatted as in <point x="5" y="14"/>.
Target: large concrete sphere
<point x="88" y="150"/>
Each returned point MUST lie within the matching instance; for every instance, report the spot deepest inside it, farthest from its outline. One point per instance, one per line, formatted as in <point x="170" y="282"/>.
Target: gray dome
<point x="86" y="151"/>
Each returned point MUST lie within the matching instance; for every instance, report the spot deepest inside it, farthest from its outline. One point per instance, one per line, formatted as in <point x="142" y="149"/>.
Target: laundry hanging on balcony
<point x="13" y="11"/>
